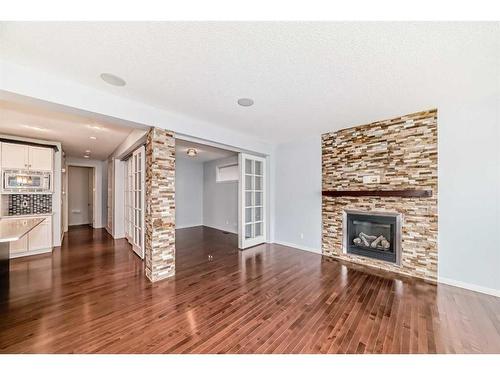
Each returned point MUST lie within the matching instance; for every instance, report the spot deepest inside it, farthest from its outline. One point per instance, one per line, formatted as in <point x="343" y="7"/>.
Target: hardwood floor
<point x="91" y="296"/>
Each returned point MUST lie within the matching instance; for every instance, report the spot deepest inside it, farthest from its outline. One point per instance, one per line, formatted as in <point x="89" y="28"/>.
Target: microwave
<point x="24" y="181"/>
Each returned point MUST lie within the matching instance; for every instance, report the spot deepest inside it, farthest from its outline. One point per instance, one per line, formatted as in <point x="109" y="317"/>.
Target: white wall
<point x="469" y="200"/>
<point x="78" y="195"/>
<point x="188" y="193"/>
<point x="220" y="199"/>
<point x="298" y="194"/>
<point x="101" y="192"/>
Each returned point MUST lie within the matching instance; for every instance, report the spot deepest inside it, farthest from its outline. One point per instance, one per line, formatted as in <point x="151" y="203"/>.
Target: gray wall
<point x="78" y="195"/>
<point x="220" y="200"/>
<point x="188" y="193"/>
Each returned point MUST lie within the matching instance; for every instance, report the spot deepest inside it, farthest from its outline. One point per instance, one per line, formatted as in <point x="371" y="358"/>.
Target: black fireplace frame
<point x="392" y="218"/>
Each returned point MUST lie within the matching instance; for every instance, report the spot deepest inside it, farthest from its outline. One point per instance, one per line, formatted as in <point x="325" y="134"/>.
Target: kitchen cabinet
<point x="19" y="156"/>
<point x="14" y="156"/>
<point x="39" y="240"/>
<point x="40" y="158"/>
<point x="19" y="246"/>
<point x="41" y="236"/>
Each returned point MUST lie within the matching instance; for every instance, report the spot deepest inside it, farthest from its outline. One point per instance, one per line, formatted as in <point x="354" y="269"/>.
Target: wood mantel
<point x="407" y="193"/>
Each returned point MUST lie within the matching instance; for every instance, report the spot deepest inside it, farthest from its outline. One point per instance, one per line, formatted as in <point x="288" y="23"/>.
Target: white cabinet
<point x="19" y="246"/>
<point x="40" y="158"/>
<point x="18" y="156"/>
<point x="38" y="240"/>
<point x="14" y="156"/>
<point x="41" y="236"/>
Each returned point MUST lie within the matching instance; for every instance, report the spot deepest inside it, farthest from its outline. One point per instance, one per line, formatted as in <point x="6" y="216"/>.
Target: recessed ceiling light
<point x="93" y="138"/>
<point x="113" y="80"/>
<point x="86" y="156"/>
<point x="192" y="152"/>
<point x="245" y="102"/>
<point x="87" y="151"/>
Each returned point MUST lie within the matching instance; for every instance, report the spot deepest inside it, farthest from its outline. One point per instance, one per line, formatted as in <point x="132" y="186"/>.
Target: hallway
<point x="91" y="295"/>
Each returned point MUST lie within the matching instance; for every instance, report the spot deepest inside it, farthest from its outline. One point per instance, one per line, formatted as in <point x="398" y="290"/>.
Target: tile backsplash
<point x="30" y="204"/>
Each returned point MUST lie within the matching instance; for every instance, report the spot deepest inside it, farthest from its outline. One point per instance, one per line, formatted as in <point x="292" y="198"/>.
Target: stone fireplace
<point x="372" y="235"/>
<point x="380" y="195"/>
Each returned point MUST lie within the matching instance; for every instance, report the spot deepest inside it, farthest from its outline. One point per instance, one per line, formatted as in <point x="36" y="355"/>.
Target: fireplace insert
<point x="373" y="234"/>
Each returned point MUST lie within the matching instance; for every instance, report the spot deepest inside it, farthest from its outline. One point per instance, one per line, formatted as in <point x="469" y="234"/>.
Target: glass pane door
<point x="134" y="217"/>
<point x="252" y="198"/>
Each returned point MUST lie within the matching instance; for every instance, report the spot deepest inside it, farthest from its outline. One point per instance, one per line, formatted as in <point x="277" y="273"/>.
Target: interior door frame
<point x="66" y="193"/>
<point x="242" y="242"/>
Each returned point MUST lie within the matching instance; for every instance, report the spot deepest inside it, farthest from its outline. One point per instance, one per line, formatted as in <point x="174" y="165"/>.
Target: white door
<point x="91" y="191"/>
<point x="134" y="200"/>
<point x="40" y="158"/>
<point x="252" y="201"/>
<point x="129" y="201"/>
<point x="110" y="195"/>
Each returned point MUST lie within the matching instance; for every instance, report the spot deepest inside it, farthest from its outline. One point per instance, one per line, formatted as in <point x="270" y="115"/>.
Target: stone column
<point x="160" y="205"/>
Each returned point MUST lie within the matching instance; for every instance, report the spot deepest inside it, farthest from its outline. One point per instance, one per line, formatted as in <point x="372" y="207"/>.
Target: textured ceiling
<point x="304" y="77"/>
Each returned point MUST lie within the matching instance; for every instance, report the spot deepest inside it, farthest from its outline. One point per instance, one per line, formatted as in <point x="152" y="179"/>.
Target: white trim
<point x="300" y="247"/>
<point x="188" y="226"/>
<point x="220" y="228"/>
<point x="473" y="287"/>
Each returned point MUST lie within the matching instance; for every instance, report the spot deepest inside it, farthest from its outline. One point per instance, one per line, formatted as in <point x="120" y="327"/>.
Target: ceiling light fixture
<point x="192" y="152"/>
<point x="93" y="138"/>
<point x="87" y="151"/>
<point x="86" y="156"/>
<point x="245" y="102"/>
<point x="112" y="79"/>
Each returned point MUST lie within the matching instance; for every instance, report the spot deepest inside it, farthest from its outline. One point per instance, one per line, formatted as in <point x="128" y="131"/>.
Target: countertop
<point x="12" y="230"/>
<point x="24" y="216"/>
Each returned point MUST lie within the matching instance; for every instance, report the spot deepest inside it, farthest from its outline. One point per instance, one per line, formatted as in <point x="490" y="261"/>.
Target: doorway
<point x="81" y="189"/>
<point x="221" y="189"/>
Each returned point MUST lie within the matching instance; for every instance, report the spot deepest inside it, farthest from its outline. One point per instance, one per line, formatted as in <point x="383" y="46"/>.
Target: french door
<point x="252" y="201"/>
<point x="134" y="200"/>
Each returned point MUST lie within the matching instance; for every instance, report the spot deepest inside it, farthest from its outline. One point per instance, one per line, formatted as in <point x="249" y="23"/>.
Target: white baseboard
<point x="473" y="287"/>
<point x="220" y="228"/>
<point x="300" y="247"/>
<point x="188" y="226"/>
